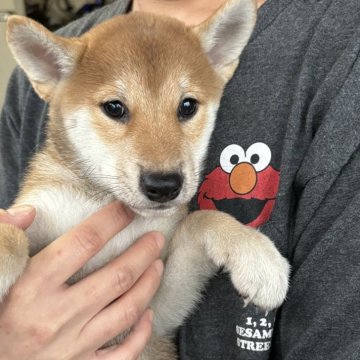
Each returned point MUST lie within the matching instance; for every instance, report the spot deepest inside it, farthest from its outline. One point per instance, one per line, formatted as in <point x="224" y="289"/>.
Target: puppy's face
<point x="138" y="110"/>
<point x="134" y="104"/>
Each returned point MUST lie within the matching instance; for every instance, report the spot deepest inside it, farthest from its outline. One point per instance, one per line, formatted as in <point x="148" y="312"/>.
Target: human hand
<point x="43" y="318"/>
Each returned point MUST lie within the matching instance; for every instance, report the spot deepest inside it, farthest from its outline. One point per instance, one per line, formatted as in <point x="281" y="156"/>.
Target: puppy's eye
<point x="115" y="109"/>
<point x="187" y="108"/>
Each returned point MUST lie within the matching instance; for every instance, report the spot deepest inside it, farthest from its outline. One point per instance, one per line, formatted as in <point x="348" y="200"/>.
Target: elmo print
<point x="244" y="185"/>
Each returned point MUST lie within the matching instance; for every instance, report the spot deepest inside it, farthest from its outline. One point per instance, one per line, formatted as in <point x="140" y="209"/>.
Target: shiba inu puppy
<point x="132" y="106"/>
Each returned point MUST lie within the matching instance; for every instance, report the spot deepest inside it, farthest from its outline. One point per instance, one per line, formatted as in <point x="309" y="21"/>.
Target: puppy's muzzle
<point x="160" y="187"/>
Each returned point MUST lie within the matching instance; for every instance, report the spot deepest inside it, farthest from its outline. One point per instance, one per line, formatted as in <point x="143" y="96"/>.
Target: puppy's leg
<point x="204" y="242"/>
<point x="13" y="256"/>
<point x="186" y="273"/>
<point x="257" y="269"/>
<point x="159" y="348"/>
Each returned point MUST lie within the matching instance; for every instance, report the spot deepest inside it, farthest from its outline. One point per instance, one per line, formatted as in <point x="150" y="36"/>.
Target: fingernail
<point x="149" y="315"/>
<point x="159" y="267"/>
<point x="160" y="240"/>
<point x="20" y="210"/>
<point x="128" y="212"/>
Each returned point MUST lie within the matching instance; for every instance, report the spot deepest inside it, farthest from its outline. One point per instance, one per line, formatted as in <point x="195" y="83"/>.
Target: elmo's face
<point x="244" y="185"/>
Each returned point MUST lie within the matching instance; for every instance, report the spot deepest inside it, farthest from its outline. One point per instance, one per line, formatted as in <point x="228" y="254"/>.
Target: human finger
<point x="134" y="344"/>
<point x="20" y="216"/>
<point x="124" y="312"/>
<point x="99" y="289"/>
<point x="71" y="251"/>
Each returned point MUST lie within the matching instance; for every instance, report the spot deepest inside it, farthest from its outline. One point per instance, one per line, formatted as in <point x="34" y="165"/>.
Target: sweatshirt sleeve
<point x="10" y="134"/>
<point x="320" y="319"/>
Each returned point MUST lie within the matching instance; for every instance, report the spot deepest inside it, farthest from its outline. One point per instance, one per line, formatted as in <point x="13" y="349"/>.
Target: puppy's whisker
<point x="65" y="130"/>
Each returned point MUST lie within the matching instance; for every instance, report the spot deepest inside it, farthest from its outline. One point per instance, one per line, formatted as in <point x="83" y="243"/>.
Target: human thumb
<point x="21" y="216"/>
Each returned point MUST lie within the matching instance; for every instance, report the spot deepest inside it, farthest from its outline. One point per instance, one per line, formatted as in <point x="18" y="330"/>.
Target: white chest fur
<point x="59" y="209"/>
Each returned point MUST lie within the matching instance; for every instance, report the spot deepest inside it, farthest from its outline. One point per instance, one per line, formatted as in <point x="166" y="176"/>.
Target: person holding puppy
<point x="293" y="121"/>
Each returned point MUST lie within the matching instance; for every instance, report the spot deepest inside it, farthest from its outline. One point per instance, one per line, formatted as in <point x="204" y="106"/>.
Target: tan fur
<point x="13" y="255"/>
<point x="17" y="243"/>
<point x="157" y="69"/>
<point x="160" y="348"/>
<point x="149" y="63"/>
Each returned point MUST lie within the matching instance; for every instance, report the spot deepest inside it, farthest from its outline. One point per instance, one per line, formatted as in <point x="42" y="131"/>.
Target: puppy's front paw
<point x="13" y="256"/>
<point x="257" y="269"/>
<point x="259" y="272"/>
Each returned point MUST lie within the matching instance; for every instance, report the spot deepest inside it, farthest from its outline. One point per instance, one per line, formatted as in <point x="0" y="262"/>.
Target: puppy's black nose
<point x="161" y="187"/>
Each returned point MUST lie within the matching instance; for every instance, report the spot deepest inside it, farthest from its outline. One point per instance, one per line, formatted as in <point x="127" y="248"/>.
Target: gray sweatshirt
<point x="292" y="111"/>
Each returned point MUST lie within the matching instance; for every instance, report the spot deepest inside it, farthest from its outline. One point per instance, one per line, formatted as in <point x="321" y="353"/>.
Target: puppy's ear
<point x="224" y="35"/>
<point x="45" y="57"/>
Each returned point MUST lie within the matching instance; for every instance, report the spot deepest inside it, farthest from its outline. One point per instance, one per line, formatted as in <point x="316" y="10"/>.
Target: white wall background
<point x="7" y="62"/>
<point x="54" y="13"/>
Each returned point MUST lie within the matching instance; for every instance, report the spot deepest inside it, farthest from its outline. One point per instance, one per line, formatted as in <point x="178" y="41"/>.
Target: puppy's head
<point x="133" y="101"/>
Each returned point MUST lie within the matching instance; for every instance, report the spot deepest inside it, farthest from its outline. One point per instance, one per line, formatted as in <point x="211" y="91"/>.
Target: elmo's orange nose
<point x="243" y="178"/>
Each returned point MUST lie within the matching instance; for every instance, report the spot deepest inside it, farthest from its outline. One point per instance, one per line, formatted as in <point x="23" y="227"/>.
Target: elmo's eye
<point x="115" y="109"/>
<point x="187" y="108"/>
<point x="231" y="156"/>
<point x="259" y="155"/>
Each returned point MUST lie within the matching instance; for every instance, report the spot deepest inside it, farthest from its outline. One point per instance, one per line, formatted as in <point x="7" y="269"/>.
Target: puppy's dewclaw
<point x="132" y="106"/>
